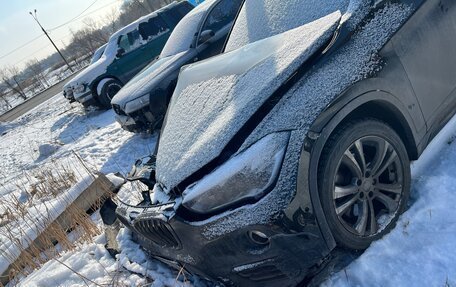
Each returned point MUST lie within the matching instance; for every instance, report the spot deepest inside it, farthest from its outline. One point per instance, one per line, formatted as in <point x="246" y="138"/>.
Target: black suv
<point x="141" y="105"/>
<point x="298" y="138"/>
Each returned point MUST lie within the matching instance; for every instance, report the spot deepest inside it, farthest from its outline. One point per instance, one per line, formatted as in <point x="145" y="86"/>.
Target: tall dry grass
<point x="32" y="223"/>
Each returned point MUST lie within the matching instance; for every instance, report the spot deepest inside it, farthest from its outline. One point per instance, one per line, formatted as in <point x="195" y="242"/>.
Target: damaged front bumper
<point x="139" y="121"/>
<point x="260" y="255"/>
<point x="271" y="241"/>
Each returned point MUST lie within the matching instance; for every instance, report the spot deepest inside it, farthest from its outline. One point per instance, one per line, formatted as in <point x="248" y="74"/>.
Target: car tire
<point x="364" y="182"/>
<point x="109" y="89"/>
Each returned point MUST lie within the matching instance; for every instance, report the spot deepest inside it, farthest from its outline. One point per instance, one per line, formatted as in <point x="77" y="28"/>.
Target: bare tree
<point x="4" y="97"/>
<point x="10" y="77"/>
<point x="110" y="21"/>
<point x="155" y="4"/>
<point x="37" y="69"/>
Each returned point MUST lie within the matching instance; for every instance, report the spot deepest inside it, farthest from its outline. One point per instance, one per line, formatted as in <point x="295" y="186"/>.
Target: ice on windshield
<point x="262" y="19"/>
<point x="182" y="36"/>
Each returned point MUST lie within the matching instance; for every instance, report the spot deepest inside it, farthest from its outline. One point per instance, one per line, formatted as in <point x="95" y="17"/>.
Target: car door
<point x="155" y="32"/>
<point x="426" y="45"/>
<point x="129" y="58"/>
<point x="218" y="22"/>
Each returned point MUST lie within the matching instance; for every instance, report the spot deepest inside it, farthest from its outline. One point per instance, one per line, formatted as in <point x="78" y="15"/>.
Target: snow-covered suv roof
<point x="134" y="25"/>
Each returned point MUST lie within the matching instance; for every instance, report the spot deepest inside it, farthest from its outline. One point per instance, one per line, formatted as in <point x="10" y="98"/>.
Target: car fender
<point x="314" y="143"/>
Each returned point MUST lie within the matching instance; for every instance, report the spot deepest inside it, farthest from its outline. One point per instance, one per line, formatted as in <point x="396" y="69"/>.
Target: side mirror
<point x="205" y="36"/>
<point x="120" y="52"/>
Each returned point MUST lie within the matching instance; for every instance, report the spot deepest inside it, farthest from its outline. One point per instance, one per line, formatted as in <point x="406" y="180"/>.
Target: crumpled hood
<point x="92" y="72"/>
<point x="215" y="98"/>
<point x="146" y="80"/>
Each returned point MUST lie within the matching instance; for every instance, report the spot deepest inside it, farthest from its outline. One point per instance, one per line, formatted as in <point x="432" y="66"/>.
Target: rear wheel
<point x="109" y="89"/>
<point x="364" y="182"/>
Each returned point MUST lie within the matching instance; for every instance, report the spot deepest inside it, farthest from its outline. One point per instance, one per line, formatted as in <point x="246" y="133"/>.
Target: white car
<point x="68" y="88"/>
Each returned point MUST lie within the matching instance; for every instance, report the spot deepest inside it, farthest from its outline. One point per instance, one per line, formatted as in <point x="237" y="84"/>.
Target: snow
<point x="98" y="53"/>
<point x="103" y="146"/>
<point x="99" y="67"/>
<point x="184" y="32"/>
<point x="420" y="251"/>
<point x="262" y="19"/>
<point x="152" y="75"/>
<point x="214" y="98"/>
<point x="94" y="135"/>
<point x="52" y="78"/>
<point x="42" y="213"/>
<point x="298" y="109"/>
<point x="95" y="267"/>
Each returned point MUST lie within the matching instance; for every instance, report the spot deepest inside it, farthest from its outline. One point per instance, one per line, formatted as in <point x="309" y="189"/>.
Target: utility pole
<point x="45" y="33"/>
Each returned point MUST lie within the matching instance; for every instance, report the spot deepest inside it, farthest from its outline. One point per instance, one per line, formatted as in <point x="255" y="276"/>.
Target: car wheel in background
<point x="106" y="90"/>
<point x="364" y="182"/>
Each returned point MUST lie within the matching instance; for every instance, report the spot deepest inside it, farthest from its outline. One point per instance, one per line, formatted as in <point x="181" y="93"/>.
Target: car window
<point x="178" y="12"/>
<point x="129" y="41"/>
<point x="153" y="28"/>
<point x="221" y="15"/>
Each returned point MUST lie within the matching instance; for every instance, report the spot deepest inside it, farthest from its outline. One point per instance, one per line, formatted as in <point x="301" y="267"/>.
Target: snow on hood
<point x="299" y="108"/>
<point x="214" y="98"/>
<point x="144" y="81"/>
<point x="92" y="72"/>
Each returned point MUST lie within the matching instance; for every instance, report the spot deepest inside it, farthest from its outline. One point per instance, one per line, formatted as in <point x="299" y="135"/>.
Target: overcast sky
<point x="17" y="27"/>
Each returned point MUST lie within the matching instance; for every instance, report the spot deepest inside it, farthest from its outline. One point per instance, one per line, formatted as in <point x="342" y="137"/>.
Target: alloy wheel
<point x="368" y="186"/>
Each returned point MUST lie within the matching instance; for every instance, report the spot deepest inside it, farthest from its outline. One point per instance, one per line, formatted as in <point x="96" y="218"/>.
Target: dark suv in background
<point x="141" y="105"/>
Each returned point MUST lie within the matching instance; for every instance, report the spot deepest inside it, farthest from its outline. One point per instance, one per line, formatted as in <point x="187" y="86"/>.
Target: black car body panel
<point x="159" y="79"/>
<point x="282" y="236"/>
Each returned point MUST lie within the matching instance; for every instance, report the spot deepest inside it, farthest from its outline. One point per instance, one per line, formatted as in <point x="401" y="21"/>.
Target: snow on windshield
<point x="213" y="99"/>
<point x="299" y="108"/>
<point x="98" y="53"/>
<point x="262" y="19"/>
<point x="182" y="36"/>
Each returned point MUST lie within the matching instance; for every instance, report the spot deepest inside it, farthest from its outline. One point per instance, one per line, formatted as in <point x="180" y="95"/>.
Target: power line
<point x="73" y="19"/>
<point x="21" y="46"/>
<point x="81" y="16"/>
<point x="59" y="26"/>
<point x="66" y="23"/>
<point x="40" y="49"/>
<point x="34" y="53"/>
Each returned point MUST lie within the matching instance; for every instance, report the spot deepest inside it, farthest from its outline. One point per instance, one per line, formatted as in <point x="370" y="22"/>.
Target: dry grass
<point x="30" y="221"/>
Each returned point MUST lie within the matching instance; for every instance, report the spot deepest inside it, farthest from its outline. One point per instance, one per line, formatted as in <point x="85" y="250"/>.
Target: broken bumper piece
<point x="260" y="255"/>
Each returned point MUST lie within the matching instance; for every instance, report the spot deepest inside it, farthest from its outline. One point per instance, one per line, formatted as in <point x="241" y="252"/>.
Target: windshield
<point x="262" y="19"/>
<point x="97" y="55"/>
<point x="182" y="36"/>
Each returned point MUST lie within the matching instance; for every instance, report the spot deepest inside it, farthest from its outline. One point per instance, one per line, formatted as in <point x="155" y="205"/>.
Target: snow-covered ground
<point x="420" y="251"/>
<point x="52" y="77"/>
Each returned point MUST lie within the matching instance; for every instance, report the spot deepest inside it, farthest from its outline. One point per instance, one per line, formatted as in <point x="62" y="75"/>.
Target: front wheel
<point x="109" y="88"/>
<point x="364" y="182"/>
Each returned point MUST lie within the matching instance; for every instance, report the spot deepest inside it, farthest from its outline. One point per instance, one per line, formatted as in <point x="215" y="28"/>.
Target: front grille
<point x="118" y="110"/>
<point x="262" y="273"/>
<point x="157" y="231"/>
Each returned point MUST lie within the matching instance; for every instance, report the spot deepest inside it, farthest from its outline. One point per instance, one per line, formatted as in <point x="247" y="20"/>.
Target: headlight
<point x="247" y="176"/>
<point x="79" y="89"/>
<point x="137" y="104"/>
